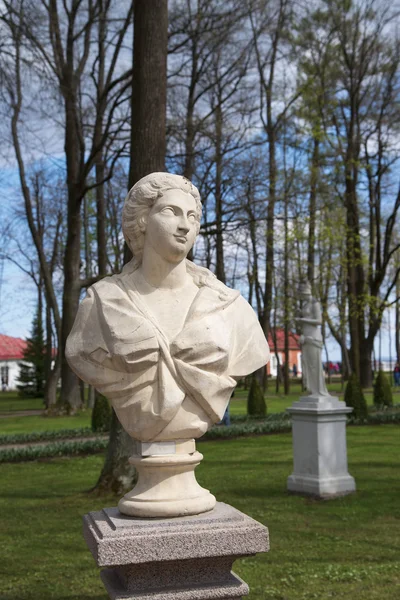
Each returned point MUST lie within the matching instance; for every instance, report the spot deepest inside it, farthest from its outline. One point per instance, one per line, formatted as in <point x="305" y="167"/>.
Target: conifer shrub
<point x="255" y="400"/>
<point x="382" y="390"/>
<point x="101" y="415"/>
<point x="31" y="379"/>
<point x="355" y="398"/>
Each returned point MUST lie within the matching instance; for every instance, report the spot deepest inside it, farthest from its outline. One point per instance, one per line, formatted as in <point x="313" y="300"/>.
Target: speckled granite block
<point x="185" y="558"/>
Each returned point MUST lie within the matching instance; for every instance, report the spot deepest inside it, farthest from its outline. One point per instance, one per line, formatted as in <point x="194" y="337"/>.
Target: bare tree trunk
<point x="397" y="321"/>
<point x="149" y="85"/>
<point x="99" y="161"/>
<point x="148" y="145"/>
<point x="117" y="475"/>
<point x="313" y="211"/>
<point x="286" y="381"/>
<point x="220" y="266"/>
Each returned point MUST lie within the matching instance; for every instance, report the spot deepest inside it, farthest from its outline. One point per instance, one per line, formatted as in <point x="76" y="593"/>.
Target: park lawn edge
<point x="277" y="424"/>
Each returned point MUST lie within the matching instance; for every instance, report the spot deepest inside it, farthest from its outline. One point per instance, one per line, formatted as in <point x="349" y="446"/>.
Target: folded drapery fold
<point x="160" y="388"/>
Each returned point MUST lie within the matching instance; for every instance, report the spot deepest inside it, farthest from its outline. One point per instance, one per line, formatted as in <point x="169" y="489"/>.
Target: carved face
<point x="170" y="227"/>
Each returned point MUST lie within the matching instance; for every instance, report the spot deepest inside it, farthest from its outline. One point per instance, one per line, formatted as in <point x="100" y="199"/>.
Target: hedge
<point x="275" y="423"/>
<point x="52" y="450"/>
<point x="44" y="436"/>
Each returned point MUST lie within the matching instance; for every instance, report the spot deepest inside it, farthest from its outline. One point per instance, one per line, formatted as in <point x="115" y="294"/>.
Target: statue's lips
<point x="181" y="238"/>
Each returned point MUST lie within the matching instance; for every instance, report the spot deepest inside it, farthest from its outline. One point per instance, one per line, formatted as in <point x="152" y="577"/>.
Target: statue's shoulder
<point x="111" y="285"/>
<point x="203" y="277"/>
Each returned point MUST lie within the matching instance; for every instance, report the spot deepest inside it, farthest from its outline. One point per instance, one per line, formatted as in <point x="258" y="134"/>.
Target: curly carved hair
<point x="138" y="204"/>
<point x="141" y="199"/>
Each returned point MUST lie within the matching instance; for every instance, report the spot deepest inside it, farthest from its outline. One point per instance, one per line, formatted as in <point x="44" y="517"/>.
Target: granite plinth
<point x="319" y="448"/>
<point x="184" y="558"/>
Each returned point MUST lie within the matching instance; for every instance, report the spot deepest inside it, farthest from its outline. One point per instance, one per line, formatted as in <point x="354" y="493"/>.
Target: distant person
<point x="3" y="384"/>
<point x="294" y="370"/>
<point x="396" y="375"/>
<point x="226" y="419"/>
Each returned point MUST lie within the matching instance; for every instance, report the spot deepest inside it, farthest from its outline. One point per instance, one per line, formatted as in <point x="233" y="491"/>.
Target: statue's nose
<point x="183" y="225"/>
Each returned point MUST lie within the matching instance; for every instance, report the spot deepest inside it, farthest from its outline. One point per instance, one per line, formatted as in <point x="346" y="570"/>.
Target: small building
<point x="294" y="352"/>
<point x="11" y="354"/>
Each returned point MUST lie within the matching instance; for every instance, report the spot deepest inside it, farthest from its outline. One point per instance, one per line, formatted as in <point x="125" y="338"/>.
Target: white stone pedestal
<point x="319" y="448"/>
<point x="166" y="485"/>
<point x="185" y="558"/>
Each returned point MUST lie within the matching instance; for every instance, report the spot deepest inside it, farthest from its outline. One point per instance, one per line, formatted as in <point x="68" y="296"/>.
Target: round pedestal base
<point x="166" y="487"/>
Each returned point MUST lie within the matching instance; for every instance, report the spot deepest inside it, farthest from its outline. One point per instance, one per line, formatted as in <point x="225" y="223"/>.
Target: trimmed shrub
<point x="382" y="391"/>
<point x="101" y="415"/>
<point x="255" y="400"/>
<point x="355" y="398"/>
<point x="68" y="448"/>
<point x="45" y="436"/>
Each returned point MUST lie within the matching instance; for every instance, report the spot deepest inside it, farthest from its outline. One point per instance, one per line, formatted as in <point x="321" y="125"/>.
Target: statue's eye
<point x="168" y="210"/>
<point x="192" y="217"/>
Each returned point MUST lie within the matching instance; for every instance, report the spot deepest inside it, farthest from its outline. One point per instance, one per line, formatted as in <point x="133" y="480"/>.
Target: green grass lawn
<point x="279" y="402"/>
<point x="17" y="424"/>
<point x="10" y="401"/>
<point x="347" y="548"/>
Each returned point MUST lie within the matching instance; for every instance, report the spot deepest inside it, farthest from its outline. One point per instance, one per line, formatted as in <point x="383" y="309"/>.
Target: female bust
<point x="164" y="340"/>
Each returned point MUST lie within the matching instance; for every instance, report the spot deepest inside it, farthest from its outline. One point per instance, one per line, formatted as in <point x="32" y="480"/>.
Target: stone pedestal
<point x="166" y="485"/>
<point x="185" y="558"/>
<point x="319" y="448"/>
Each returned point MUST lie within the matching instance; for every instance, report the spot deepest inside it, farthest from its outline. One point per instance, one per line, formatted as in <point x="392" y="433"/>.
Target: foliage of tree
<point x="382" y="390"/>
<point x="355" y="398"/>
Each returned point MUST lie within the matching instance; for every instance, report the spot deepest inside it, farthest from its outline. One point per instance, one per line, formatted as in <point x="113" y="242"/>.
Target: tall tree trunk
<point x="397" y="321"/>
<point x="148" y="145"/>
<point x="220" y="266"/>
<point x="312" y="210"/>
<point x="70" y="396"/>
<point x="117" y="475"/>
<point x="286" y="382"/>
<point x="99" y="162"/>
<point x="53" y="371"/>
<point x="355" y="269"/>
<point x="269" y="261"/>
<point x="149" y="85"/>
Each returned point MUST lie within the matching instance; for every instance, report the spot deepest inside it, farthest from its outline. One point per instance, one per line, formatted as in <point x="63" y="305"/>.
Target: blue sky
<point x="18" y="294"/>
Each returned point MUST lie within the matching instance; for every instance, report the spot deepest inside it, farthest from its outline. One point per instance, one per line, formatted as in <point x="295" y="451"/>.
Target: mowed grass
<point x="9" y="402"/>
<point x="348" y="548"/>
<point x="278" y="402"/>
<point x="16" y="424"/>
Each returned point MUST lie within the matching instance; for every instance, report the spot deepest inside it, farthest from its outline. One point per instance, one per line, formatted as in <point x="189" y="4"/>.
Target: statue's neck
<point x="162" y="274"/>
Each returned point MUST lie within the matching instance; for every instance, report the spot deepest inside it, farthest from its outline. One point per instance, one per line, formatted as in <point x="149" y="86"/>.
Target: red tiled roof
<point x="11" y="347"/>
<point x="294" y="343"/>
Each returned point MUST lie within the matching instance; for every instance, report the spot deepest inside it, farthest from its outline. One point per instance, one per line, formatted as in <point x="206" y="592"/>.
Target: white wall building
<point x="11" y="353"/>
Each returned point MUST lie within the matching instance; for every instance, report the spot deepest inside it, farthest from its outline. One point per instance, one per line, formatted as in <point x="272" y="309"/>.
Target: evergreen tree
<point x="255" y="400"/>
<point x="101" y="415"/>
<point x="32" y="369"/>
<point x="382" y="391"/>
<point x="355" y="398"/>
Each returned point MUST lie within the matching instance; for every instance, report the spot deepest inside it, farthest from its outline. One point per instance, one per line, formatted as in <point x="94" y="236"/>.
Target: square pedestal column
<point x="319" y="448"/>
<point x="182" y="558"/>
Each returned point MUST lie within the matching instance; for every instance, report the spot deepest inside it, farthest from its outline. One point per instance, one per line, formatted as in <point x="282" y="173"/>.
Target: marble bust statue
<point x="165" y="341"/>
<point x="311" y="344"/>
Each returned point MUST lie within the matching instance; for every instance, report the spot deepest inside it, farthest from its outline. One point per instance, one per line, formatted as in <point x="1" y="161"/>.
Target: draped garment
<point x="161" y="389"/>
